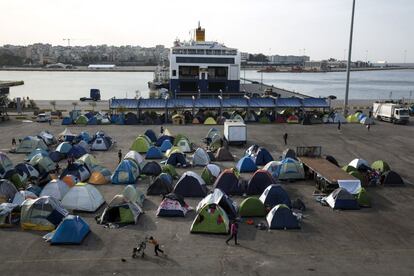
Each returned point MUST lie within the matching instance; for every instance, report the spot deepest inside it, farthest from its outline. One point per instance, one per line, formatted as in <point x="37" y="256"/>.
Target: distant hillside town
<point x="67" y="57"/>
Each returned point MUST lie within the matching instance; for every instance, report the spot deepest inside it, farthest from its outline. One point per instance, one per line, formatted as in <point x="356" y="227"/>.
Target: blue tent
<point x="34" y="189"/>
<point x="176" y="158"/>
<point x="127" y="172"/>
<point x="246" y="164"/>
<point x="152" y="168"/>
<point x="77" y="151"/>
<point x="228" y="182"/>
<point x="89" y="115"/>
<point x="79" y="171"/>
<point x="56" y="156"/>
<point x="84" y="136"/>
<point x="190" y="185"/>
<point x="67" y="121"/>
<point x="263" y="157"/>
<point x="118" y="119"/>
<point x="131" y="119"/>
<point x="151" y="135"/>
<point x="92" y="121"/>
<point x="281" y="217"/>
<point x="162" y="138"/>
<point x="154" y="153"/>
<point x="166" y="145"/>
<point x="64" y="147"/>
<point x="260" y="180"/>
<point x="72" y="230"/>
<point x="274" y="195"/>
<point x="342" y="199"/>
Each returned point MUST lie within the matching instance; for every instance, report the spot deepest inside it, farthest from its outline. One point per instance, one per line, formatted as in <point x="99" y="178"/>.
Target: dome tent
<point x="127" y="172"/>
<point x="64" y="147"/>
<point x="134" y="156"/>
<point x="166" y="145"/>
<point x="21" y="196"/>
<point x="289" y="153"/>
<point x="30" y="143"/>
<point x="190" y="185"/>
<point x="6" y="164"/>
<point x="55" y="188"/>
<point x="42" y="163"/>
<point x="391" y="178"/>
<point x="210" y="121"/>
<point x="260" y="180"/>
<point x="162" y="185"/>
<point x="78" y="170"/>
<point x="252" y="207"/>
<point x="274" y="195"/>
<point x="35" y="152"/>
<point x="221" y="199"/>
<point x="342" y="199"/>
<point x="72" y="230"/>
<point x="210" y="173"/>
<point x="263" y="157"/>
<point x="151" y="168"/>
<point x="273" y="168"/>
<point x="246" y="164"/>
<point x="100" y="176"/>
<point x="358" y="163"/>
<point x="211" y="219"/>
<point x="380" y="166"/>
<point x="7" y="191"/>
<point x="200" y="158"/>
<point x="122" y="209"/>
<point x="101" y="143"/>
<point x="170" y="170"/>
<point x="141" y="144"/>
<point x="154" y="153"/>
<point x="228" y="182"/>
<point x="83" y="197"/>
<point x="43" y="214"/>
<point x="172" y="205"/>
<point x="281" y="217"/>
<point x="177" y="159"/>
<point x="76" y="152"/>
<point x="89" y="161"/>
<point x="290" y="169"/>
<point x="81" y="120"/>
<point x="151" y="135"/>
<point x="184" y="145"/>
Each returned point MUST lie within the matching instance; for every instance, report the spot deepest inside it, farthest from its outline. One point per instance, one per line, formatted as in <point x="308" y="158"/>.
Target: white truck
<point x="235" y="132"/>
<point x="391" y="112"/>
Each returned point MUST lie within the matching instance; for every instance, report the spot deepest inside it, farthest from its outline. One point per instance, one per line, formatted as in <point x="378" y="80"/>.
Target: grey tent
<point x="289" y="153"/>
<point x="224" y="154"/>
<point x="7" y="190"/>
<point x="200" y="158"/>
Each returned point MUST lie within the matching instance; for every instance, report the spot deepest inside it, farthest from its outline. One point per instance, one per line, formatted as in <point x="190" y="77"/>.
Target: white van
<point x="43" y="118"/>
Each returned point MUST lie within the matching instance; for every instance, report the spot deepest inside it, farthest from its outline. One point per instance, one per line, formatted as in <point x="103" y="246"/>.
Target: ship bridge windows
<point x="216" y="86"/>
<point x="217" y="72"/>
<point x="188" y="86"/>
<point x="189" y="72"/>
<point x="200" y="52"/>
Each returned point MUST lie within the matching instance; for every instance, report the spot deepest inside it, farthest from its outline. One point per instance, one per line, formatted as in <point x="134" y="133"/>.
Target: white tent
<point x="356" y="163"/>
<point x="214" y="169"/>
<point x="184" y="145"/>
<point x="134" y="156"/>
<point x="83" y="197"/>
<point x="21" y="196"/>
<point x="55" y="188"/>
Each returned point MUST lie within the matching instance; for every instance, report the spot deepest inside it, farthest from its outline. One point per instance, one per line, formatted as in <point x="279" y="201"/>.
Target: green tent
<point x="141" y="144"/>
<point x="210" y="121"/>
<point x="349" y="169"/>
<point x="179" y="137"/>
<point x="18" y="180"/>
<point x="264" y="120"/>
<point x="81" y="120"/>
<point x="381" y="166"/>
<point x="170" y="170"/>
<point x="358" y="175"/>
<point x="211" y="219"/>
<point x="207" y="176"/>
<point x="252" y="207"/>
<point x="362" y="198"/>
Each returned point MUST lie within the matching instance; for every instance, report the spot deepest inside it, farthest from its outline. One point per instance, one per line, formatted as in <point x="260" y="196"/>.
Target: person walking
<point x="234" y="229"/>
<point x="119" y="156"/>
<point x="368" y="127"/>
<point x="339" y="125"/>
<point x="162" y="130"/>
<point x="156" y="246"/>
<point x="285" y="136"/>
<point x="14" y="142"/>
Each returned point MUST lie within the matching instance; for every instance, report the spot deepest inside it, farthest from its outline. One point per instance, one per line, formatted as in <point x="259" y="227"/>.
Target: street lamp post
<point x="348" y="68"/>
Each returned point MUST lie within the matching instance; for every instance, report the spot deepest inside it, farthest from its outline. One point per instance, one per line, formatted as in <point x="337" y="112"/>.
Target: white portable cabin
<point x="235" y="132"/>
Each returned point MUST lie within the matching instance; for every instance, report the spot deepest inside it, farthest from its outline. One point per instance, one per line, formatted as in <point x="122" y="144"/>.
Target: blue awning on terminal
<point x="216" y="103"/>
<point x="152" y="103"/>
<point x="262" y="103"/>
<point x="314" y="103"/>
<point x="180" y="103"/>
<point x="207" y="103"/>
<point x="235" y="103"/>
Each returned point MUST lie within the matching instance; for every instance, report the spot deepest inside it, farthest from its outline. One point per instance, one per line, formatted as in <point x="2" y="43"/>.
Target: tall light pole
<point x="348" y="67"/>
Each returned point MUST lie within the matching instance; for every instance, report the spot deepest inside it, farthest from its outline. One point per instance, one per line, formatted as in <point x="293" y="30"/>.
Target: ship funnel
<point x="200" y="33"/>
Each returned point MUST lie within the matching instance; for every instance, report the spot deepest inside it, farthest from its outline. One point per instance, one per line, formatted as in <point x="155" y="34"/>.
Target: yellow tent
<point x="210" y="121"/>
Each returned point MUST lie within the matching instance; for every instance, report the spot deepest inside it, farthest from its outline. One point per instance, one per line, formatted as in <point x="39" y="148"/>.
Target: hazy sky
<point x="384" y="28"/>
